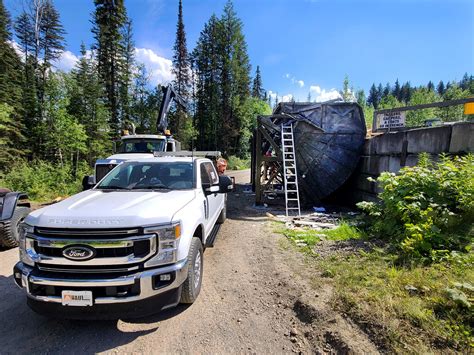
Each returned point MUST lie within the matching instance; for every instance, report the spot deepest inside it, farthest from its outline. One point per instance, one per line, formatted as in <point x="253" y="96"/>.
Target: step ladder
<point x="290" y="175"/>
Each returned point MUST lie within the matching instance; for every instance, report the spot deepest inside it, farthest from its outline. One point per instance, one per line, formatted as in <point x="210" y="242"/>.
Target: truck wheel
<point x="192" y="285"/>
<point x="9" y="232"/>
<point x="223" y="215"/>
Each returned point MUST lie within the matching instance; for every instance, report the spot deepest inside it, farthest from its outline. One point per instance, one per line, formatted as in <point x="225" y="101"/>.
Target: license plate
<point x="76" y="298"/>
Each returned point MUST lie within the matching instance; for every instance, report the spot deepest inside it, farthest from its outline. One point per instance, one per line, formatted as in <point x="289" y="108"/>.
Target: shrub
<point x="43" y="180"/>
<point x="426" y="210"/>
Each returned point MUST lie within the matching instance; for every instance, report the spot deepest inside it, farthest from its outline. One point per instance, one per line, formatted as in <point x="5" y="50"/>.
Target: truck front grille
<point x="114" y="249"/>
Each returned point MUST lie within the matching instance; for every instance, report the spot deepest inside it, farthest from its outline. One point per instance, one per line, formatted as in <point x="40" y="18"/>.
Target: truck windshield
<point x="142" y="145"/>
<point x="149" y="176"/>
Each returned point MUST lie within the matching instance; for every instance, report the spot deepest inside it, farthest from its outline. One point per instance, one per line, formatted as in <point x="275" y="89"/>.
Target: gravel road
<point x="255" y="299"/>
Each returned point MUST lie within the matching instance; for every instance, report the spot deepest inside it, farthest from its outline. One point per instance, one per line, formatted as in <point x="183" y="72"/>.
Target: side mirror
<point x="210" y="189"/>
<point x="88" y="182"/>
<point x="225" y="184"/>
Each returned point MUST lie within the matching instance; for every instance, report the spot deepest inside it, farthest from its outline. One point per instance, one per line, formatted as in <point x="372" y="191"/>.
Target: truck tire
<point x="223" y="215"/>
<point x="192" y="285"/>
<point x="9" y="232"/>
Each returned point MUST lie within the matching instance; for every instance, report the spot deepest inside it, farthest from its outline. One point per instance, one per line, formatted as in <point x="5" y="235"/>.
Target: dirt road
<point x="255" y="299"/>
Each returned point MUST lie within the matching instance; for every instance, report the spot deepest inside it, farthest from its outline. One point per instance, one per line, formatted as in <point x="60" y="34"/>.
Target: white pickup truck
<point x="128" y="247"/>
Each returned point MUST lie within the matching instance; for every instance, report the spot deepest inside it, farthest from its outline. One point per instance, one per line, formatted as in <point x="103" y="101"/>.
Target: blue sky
<point x="306" y="45"/>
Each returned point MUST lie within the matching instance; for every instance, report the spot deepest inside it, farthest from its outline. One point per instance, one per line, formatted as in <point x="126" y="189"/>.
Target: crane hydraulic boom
<point x="168" y="95"/>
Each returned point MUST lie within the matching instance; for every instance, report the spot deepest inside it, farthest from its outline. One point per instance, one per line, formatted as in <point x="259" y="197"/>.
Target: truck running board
<point x="212" y="237"/>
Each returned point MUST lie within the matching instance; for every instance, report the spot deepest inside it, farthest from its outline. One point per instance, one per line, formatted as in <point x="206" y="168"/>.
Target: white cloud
<point x="17" y="48"/>
<point x="284" y="98"/>
<point x="287" y="98"/>
<point x="293" y="80"/>
<point x="321" y="95"/>
<point x="158" y="67"/>
<point x="66" y="62"/>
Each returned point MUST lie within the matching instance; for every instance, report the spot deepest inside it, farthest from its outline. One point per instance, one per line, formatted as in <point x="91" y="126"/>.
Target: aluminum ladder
<point x="290" y="175"/>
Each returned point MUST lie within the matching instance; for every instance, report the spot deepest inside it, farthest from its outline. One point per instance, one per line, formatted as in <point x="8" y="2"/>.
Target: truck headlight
<point x="26" y="247"/>
<point x="168" y="241"/>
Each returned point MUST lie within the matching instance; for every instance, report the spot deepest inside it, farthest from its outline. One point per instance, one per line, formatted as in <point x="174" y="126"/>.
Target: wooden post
<point x="258" y="168"/>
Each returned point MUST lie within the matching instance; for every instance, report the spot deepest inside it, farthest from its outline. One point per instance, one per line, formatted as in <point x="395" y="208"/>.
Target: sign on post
<point x="393" y="119"/>
<point x="469" y="108"/>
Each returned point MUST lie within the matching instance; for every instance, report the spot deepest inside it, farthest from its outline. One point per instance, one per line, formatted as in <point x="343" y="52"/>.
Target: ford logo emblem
<point x="79" y="252"/>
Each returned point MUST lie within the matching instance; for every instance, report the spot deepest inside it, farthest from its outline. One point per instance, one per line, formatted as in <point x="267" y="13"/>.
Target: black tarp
<point x="328" y="139"/>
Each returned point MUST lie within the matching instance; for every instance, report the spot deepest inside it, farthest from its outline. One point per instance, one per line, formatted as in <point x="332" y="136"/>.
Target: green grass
<point x="236" y="163"/>
<point x="414" y="308"/>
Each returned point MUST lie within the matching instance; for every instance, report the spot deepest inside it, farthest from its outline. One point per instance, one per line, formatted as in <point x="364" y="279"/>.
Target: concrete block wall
<point x="394" y="150"/>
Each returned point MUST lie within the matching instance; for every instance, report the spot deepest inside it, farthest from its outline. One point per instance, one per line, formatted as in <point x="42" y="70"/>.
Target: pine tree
<point x="465" y="81"/>
<point x="182" y="83"/>
<point x="379" y="93"/>
<point x="51" y="43"/>
<point x="207" y="66"/>
<point x="235" y="79"/>
<point x="346" y="92"/>
<point x="108" y="22"/>
<point x="373" y="99"/>
<point x="397" y="90"/>
<point x="430" y="86"/>
<point x="181" y="60"/>
<point x="257" y="89"/>
<point x="405" y="93"/>
<point x="87" y="106"/>
<point x="386" y="91"/>
<point x="11" y="108"/>
<point x="127" y="65"/>
<point x="440" y="88"/>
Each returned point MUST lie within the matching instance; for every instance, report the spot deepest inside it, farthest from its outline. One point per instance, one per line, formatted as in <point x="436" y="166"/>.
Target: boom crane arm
<point x="168" y="95"/>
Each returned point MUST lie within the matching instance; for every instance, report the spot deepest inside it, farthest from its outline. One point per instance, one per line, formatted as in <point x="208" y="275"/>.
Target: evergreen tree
<point x="465" y="81"/>
<point x="127" y="65"/>
<point x="108" y="21"/>
<point x="257" y="89"/>
<point x="24" y="33"/>
<point x="405" y="93"/>
<point x="430" y="86"/>
<point x="51" y="42"/>
<point x="179" y="121"/>
<point x="373" y="99"/>
<point x="10" y="93"/>
<point x="208" y="87"/>
<point x="235" y="78"/>
<point x="386" y="91"/>
<point x="346" y="91"/>
<point x="379" y="92"/>
<point x="440" y="88"/>
<point x="87" y="106"/>
<point x="397" y="90"/>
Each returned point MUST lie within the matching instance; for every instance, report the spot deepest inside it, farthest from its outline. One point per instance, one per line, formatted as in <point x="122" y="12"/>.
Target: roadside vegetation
<point x="409" y="279"/>
<point x="236" y="163"/>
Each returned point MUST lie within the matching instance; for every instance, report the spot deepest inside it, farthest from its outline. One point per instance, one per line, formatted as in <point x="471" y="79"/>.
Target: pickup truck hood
<point x="112" y="209"/>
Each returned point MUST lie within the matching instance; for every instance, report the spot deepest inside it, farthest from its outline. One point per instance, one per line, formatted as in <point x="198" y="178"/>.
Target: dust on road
<point x="254" y="299"/>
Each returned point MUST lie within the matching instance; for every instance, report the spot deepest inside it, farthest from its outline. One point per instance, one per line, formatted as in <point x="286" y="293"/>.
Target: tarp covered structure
<point x="328" y="138"/>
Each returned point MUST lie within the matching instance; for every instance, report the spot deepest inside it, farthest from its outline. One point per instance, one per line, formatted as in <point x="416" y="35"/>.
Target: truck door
<point x="214" y="202"/>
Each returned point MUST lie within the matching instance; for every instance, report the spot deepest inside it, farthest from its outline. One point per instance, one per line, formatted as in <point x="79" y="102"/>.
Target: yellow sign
<point x="469" y="108"/>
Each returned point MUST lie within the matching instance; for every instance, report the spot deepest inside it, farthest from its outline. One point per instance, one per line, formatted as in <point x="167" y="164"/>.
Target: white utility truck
<point x="130" y="246"/>
<point x="136" y="146"/>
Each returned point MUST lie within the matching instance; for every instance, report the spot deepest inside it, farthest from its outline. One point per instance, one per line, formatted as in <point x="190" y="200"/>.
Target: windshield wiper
<point x="111" y="187"/>
<point x="151" y="187"/>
